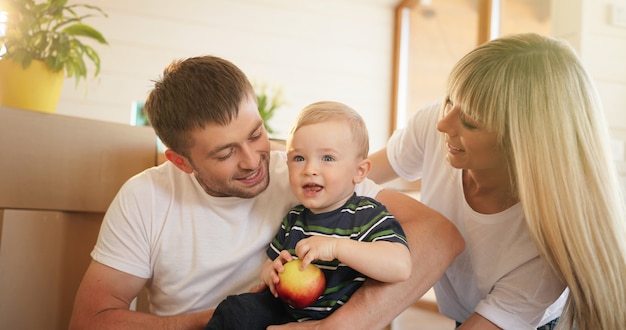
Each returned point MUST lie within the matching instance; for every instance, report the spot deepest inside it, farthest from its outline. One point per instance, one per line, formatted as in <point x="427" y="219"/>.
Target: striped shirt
<point x="361" y="219"/>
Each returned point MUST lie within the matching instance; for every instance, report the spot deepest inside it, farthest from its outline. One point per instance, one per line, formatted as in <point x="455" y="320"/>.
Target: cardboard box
<point x="58" y="175"/>
<point x="43" y="257"/>
<point x="55" y="162"/>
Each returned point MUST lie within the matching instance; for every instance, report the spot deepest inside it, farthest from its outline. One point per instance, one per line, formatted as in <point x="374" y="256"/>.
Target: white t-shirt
<point x="499" y="275"/>
<point x="195" y="248"/>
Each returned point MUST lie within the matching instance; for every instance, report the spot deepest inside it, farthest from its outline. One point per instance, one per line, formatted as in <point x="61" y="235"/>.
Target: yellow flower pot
<point x="34" y="88"/>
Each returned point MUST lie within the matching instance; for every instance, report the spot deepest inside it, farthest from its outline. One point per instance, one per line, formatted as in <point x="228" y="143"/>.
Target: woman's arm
<point x="381" y="171"/>
<point x="435" y="242"/>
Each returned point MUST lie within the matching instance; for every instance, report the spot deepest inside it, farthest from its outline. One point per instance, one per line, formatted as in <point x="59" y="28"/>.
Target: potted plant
<point x="268" y="101"/>
<point x="42" y="44"/>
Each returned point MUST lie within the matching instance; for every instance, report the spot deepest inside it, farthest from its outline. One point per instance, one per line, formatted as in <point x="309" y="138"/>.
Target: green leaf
<point x="58" y="3"/>
<point x="51" y="31"/>
<point x="85" y="31"/>
<point x="93" y="55"/>
<point x="267" y="103"/>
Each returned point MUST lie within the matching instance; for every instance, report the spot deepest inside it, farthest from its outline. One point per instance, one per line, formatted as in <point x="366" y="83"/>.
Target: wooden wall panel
<point x="43" y="256"/>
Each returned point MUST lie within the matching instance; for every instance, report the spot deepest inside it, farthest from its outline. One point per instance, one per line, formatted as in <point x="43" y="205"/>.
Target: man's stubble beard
<point x="234" y="191"/>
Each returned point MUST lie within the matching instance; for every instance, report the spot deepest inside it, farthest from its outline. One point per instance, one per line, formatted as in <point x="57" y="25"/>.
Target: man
<point x="194" y="229"/>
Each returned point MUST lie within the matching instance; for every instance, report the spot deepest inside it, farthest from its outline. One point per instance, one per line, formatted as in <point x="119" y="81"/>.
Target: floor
<point x="423" y="316"/>
<point x="416" y="318"/>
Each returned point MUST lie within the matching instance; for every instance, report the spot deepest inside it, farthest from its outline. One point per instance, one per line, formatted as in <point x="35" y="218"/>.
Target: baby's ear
<point x="179" y="161"/>
<point x="362" y="170"/>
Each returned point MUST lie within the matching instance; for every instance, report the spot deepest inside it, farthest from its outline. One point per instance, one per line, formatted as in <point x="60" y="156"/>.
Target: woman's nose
<point x="447" y="124"/>
<point x="444" y="124"/>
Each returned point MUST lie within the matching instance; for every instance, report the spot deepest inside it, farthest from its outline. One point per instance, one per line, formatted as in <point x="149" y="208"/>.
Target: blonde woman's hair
<point x="324" y="111"/>
<point x="534" y="92"/>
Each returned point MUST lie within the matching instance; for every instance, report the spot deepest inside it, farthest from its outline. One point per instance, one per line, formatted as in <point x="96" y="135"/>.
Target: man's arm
<point x="103" y="301"/>
<point x="434" y="242"/>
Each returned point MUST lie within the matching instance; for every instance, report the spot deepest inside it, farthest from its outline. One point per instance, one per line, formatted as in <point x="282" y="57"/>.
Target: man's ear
<point x="179" y="161"/>
<point x="362" y="170"/>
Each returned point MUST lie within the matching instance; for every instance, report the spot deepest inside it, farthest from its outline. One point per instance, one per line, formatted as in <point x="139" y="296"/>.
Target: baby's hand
<point x="316" y="248"/>
<point x="272" y="269"/>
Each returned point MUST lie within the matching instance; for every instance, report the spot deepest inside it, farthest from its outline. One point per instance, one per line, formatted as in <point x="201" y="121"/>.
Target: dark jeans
<point x="251" y="311"/>
<point x="548" y="326"/>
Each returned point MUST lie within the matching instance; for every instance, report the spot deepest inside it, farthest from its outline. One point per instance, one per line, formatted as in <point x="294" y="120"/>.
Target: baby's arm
<point x="380" y="260"/>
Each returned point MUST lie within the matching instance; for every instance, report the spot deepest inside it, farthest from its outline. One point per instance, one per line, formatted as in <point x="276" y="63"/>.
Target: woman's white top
<point x="500" y="274"/>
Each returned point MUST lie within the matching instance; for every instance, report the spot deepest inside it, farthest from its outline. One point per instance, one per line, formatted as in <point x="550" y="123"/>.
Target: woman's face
<point x="470" y="146"/>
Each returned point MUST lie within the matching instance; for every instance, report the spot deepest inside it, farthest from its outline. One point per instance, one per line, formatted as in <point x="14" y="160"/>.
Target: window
<point x="3" y="29"/>
<point x="432" y="35"/>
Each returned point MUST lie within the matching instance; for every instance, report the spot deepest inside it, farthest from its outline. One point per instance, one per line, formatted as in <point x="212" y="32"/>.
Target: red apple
<point x="300" y="288"/>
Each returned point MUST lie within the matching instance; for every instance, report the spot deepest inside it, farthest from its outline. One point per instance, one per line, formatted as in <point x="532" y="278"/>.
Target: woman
<point x="531" y="185"/>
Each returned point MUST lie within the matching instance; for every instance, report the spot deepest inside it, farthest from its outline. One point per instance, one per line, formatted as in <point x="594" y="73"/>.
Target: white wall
<point x="314" y="50"/>
<point x="587" y="25"/>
